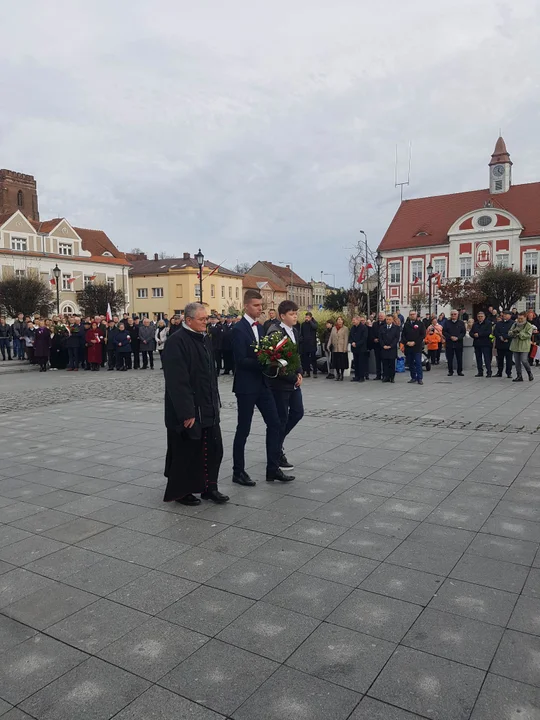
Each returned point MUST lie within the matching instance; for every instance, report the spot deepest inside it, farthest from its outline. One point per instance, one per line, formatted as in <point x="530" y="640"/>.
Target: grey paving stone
<point x="91" y="691"/>
<point x="270" y="631"/>
<point x="493" y="573"/>
<point x="117" y="513"/>
<point x="526" y="616"/>
<point x="449" y="537"/>
<point x="10" y="534"/>
<point x="43" y="521"/>
<point x="310" y="595"/>
<point x="500" y="548"/>
<point x="105" y="576"/>
<point x="403" y="583"/>
<point x="42" y="609"/>
<point x="387" y="524"/>
<point x="192" y="531"/>
<point x="517" y="658"/>
<point x="370" y="709"/>
<point x="18" y="583"/>
<point x="512" y="528"/>
<point x="291" y="695"/>
<point x="219" y="676"/>
<point x="249" y="578"/>
<point x="285" y="553"/>
<point x="29" y="549"/>
<point x="340" y="567"/>
<point x="16" y="714"/>
<point x="152" y="552"/>
<point x="365" y="544"/>
<point x="85" y="505"/>
<point x="110" y="541"/>
<point x="383" y="617"/>
<point x="65" y="562"/>
<point x="5" y="567"/>
<point x="153" y="649"/>
<point x="342" y="656"/>
<point x="532" y="586"/>
<point x="4" y="707"/>
<point x="153" y="592"/>
<point x="32" y="664"/>
<point x="236" y="541"/>
<point x="160" y="704"/>
<point x="456" y="638"/>
<point x="76" y="529"/>
<point x="503" y="699"/>
<point x="198" y="564"/>
<point x="475" y="601"/>
<point x="336" y="513"/>
<point x="418" y="556"/>
<point x="98" y="625"/>
<point x="428" y="685"/>
<point x="12" y="633"/>
<point x="406" y="509"/>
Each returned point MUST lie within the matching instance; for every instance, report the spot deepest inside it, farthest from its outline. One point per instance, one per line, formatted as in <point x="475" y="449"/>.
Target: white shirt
<point x="253" y="327"/>
<point x="289" y="331"/>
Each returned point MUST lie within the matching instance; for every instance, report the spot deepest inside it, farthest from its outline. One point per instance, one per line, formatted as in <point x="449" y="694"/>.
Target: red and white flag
<point x="53" y="281"/>
<point x="70" y="280"/>
<point x="362" y="275"/>
<point x="416" y="280"/>
<point x="109" y="313"/>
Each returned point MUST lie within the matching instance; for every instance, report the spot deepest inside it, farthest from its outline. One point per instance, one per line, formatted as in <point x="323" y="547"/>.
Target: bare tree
<point x="242" y="268"/>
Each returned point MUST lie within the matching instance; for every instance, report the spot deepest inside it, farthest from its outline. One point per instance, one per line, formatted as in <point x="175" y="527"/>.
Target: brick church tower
<point x="18" y="192"/>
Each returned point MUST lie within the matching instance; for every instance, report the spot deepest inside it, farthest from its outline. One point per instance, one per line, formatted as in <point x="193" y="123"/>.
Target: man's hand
<point x="299" y="379"/>
<point x="453" y="338"/>
<point x="375" y="339"/>
<point x="189" y="423"/>
<point x="353" y="344"/>
<point x="386" y="347"/>
<point x="475" y="335"/>
<point x="411" y="343"/>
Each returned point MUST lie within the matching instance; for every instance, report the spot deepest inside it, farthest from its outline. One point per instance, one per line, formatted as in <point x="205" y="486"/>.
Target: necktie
<point x="254" y="324"/>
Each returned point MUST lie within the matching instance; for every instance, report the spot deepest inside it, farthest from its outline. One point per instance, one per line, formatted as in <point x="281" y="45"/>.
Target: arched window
<point x="20" y="199"/>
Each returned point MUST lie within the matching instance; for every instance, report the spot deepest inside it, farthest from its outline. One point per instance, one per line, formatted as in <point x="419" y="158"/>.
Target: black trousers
<point x="136" y="359"/>
<point x="456" y="353"/>
<point x="389" y="369"/>
<point x="361" y="365"/>
<point x="147" y="357"/>
<point x="504" y="357"/>
<point x="73" y="354"/>
<point x="4" y="345"/>
<point x="228" y="361"/>
<point x="290" y="408"/>
<point x="111" y="359"/>
<point x="266" y="405"/>
<point x="483" y="354"/>
<point x="123" y="360"/>
<point x="309" y="360"/>
<point x="218" y="359"/>
<point x="378" y="360"/>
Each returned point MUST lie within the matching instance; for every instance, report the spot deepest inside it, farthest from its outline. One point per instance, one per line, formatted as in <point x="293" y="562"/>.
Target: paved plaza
<point x="397" y="578"/>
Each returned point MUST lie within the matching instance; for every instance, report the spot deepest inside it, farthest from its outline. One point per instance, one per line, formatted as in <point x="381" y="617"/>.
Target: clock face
<point x="498" y="170"/>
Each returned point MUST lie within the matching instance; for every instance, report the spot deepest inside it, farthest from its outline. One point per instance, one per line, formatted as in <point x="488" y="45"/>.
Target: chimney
<point x="156" y="257"/>
<point x="186" y="256"/>
<point x="288" y="267"/>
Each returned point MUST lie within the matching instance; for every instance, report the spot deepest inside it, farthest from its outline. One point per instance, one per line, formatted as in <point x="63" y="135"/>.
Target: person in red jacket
<point x="94" y="341"/>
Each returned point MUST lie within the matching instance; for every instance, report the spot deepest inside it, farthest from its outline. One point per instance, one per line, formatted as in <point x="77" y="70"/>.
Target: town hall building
<point x="462" y="233"/>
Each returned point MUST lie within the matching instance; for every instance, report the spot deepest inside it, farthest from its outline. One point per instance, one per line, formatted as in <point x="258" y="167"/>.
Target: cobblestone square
<point x="396" y="578"/>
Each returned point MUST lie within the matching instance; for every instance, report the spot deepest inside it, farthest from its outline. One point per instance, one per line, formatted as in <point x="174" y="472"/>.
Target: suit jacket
<point x="285" y="383"/>
<point x="389" y="337"/>
<point x="248" y="376"/>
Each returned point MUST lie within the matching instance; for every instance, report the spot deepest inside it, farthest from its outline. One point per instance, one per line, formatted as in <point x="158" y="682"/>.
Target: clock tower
<point x="500" y="169"/>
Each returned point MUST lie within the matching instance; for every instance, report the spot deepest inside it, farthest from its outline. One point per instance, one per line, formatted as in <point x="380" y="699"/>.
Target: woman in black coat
<point x="389" y="335"/>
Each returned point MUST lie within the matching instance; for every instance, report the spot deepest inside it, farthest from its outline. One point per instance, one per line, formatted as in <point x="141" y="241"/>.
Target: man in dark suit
<point x="215" y="330"/>
<point x="374" y="343"/>
<point x="308" y="336"/>
<point x="252" y="390"/>
<point x="228" y="358"/>
<point x="389" y="339"/>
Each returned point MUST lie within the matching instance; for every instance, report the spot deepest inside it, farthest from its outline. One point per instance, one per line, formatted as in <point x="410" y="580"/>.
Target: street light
<point x="430" y="275"/>
<point x="199" y="259"/>
<point x="378" y="260"/>
<point x="57" y="272"/>
<point x="367" y="284"/>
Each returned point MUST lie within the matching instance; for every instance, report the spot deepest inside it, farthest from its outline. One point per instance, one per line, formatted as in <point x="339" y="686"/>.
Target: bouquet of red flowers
<point x="278" y="355"/>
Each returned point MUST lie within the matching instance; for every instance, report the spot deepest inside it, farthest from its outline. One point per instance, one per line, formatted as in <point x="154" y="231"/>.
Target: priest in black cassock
<point x="192" y="406"/>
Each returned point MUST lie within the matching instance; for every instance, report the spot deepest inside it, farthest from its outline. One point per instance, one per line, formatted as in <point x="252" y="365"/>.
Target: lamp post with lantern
<point x="429" y="278"/>
<point x="57" y="273"/>
<point x="199" y="259"/>
<point x="378" y="260"/>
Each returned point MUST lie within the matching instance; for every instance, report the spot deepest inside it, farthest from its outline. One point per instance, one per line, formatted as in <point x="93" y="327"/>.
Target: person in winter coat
<point x="215" y="331"/>
<point x="358" y="338"/>
<point x="5" y="338"/>
<point x="339" y="346"/>
<point x="122" y="343"/>
<point x="326" y="349"/>
<point x="110" y="345"/>
<point x="521" y="333"/>
<point x="412" y="337"/>
<point x="389" y="334"/>
<point x="308" y="344"/>
<point x="28" y="339"/>
<point x="58" y="352"/>
<point x="147" y="340"/>
<point x="42" y="345"/>
<point x="483" y="347"/>
<point x="502" y="344"/>
<point x="454" y="331"/>
<point x="162" y="333"/>
<point x="75" y="343"/>
<point x="94" y="340"/>
<point x="434" y="334"/>
<point x="132" y="328"/>
<point x="228" y="355"/>
<point x="375" y="345"/>
<point x="18" y="329"/>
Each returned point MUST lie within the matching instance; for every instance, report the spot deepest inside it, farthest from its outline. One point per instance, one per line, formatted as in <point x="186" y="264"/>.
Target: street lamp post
<point x="378" y="260"/>
<point x="57" y="272"/>
<point x="199" y="259"/>
<point x="430" y="275"/>
<point x="367" y="284"/>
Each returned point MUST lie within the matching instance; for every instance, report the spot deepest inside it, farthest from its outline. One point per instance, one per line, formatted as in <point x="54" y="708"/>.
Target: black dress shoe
<point x="479" y="375"/>
<point x="284" y="464"/>
<point x="279" y="475"/>
<point x="450" y="374"/>
<point x="215" y="496"/>
<point x="243" y="479"/>
<point x="460" y="374"/>
<point x="189" y="500"/>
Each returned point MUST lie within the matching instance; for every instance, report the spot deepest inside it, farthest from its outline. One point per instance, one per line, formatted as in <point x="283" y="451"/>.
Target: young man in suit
<point x="252" y="391"/>
<point x="389" y="339"/>
<point x="286" y="388"/>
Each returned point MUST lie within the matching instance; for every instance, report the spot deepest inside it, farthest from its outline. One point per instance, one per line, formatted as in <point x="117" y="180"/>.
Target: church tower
<point x="500" y="169"/>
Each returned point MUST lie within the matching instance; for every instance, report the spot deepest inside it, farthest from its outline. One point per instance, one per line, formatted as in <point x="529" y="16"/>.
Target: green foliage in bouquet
<point x="278" y="355"/>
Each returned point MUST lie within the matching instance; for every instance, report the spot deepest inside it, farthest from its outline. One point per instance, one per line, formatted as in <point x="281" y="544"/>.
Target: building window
<point x="157" y="292"/>
<point x="110" y="282"/>
<point x="237" y="293"/>
<point x="465" y="267"/>
<point x="142" y="293"/>
<point x="394" y="273"/>
<point x="230" y="292"/>
<point x="212" y="291"/>
<point x="19" y="243"/>
<point x="197" y="290"/>
<point x="20" y="199"/>
<point x="20" y="273"/>
<point x="65" y="248"/>
<point x="439" y="266"/>
<point x="416" y="270"/>
<point x="66" y="281"/>
<point x="394" y="306"/>
<point x="178" y="312"/>
<point x="531" y="263"/>
<point x="87" y="280"/>
<point x="223" y="291"/>
<point x="143" y="315"/>
<point x="502" y="260"/>
<point x="530" y="303"/>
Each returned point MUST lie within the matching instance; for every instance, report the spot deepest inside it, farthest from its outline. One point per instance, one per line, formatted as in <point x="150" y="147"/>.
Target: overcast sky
<point x="257" y="129"/>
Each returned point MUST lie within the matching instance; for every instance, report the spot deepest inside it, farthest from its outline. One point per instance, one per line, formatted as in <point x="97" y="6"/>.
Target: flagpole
<point x="367" y="284"/>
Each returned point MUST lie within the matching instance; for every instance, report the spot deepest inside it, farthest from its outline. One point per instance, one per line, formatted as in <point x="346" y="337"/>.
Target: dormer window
<point x="107" y="254"/>
<point x="422" y="233"/>
<point x="65" y="248"/>
<point x="485" y="220"/>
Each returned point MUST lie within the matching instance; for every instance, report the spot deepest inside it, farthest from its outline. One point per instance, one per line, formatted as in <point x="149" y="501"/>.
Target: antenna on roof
<point x="396" y="173"/>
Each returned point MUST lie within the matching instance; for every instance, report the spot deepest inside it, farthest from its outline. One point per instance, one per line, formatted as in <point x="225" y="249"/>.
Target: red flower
<point x="289" y="354"/>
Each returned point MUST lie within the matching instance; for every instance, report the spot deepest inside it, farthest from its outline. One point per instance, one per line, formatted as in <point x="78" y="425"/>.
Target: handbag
<point x="400" y="365"/>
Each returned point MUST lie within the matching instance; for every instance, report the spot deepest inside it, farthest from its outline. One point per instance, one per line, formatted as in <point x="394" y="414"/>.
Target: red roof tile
<point x="97" y="242"/>
<point x="285" y="273"/>
<point x="161" y="267"/>
<point x="435" y="215"/>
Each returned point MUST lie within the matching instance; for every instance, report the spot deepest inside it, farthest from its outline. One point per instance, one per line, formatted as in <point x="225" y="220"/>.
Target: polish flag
<point x="362" y="275"/>
<point x="53" y="281"/>
<point x="92" y="277"/>
<point x="108" y="316"/>
<point x="416" y="281"/>
<point x="71" y="280"/>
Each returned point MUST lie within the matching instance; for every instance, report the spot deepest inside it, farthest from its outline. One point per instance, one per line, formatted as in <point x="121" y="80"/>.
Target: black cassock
<point x="193" y="456"/>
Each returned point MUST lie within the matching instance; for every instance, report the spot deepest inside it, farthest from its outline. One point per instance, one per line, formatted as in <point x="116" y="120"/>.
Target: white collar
<point x="250" y="320"/>
<point x="190" y="329"/>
